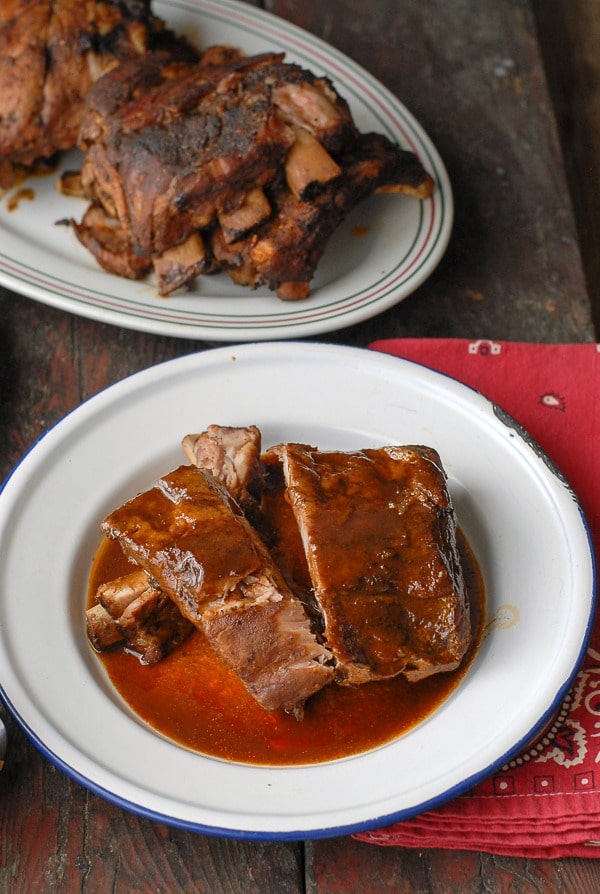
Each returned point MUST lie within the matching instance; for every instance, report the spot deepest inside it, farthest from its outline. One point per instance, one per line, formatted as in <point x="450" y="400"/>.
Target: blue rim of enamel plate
<point x="313" y="352"/>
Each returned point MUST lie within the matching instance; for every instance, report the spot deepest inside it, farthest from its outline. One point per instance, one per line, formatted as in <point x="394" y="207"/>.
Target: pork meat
<point x="191" y="537"/>
<point x="237" y="164"/>
<point x="51" y="52"/>
<point x="379" y="534"/>
<point x="132" y="612"/>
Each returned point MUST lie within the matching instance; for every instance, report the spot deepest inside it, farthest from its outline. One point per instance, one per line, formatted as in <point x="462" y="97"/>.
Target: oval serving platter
<point x="520" y="516"/>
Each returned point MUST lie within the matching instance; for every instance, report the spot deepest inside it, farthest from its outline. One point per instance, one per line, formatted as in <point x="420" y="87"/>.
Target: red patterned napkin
<point x="546" y="802"/>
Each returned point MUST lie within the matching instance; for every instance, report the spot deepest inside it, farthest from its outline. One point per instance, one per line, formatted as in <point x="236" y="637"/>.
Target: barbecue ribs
<point x="134" y="613"/>
<point x="339" y="567"/>
<point x="51" y="52"/>
<point x="238" y="164"/>
<point x="190" y="537"/>
<point x="379" y="534"/>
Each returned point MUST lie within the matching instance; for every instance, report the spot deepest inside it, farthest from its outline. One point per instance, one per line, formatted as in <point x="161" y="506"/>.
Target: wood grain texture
<point x="352" y="867"/>
<point x="471" y="72"/>
<point x="63" y="839"/>
<point x="569" y="33"/>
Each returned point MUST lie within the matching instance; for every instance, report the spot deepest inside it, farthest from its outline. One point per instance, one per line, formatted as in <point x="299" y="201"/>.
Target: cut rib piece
<point x="192" y="538"/>
<point x="187" y="144"/>
<point x="102" y="630"/>
<point x="232" y="455"/>
<point x="379" y="534"/>
<point x="286" y="249"/>
<point x="132" y="611"/>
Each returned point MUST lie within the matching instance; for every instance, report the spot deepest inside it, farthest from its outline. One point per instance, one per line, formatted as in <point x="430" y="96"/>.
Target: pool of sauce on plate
<point x="193" y="699"/>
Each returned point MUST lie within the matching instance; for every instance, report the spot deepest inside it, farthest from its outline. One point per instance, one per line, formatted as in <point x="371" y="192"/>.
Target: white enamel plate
<point x="521" y="518"/>
<point x="385" y="249"/>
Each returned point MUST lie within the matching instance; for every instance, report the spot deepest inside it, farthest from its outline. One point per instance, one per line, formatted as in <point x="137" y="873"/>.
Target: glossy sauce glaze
<point x="379" y="542"/>
<point x="193" y="699"/>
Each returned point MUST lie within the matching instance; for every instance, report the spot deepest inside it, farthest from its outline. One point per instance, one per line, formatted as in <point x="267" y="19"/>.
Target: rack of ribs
<point x="242" y="164"/>
<point x="190" y="536"/>
<point x="379" y="535"/>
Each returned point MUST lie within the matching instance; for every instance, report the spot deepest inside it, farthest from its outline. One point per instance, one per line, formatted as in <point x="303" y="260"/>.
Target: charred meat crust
<point x="379" y="534"/>
<point x="51" y="52"/>
<point x="287" y="249"/>
<point x="258" y="157"/>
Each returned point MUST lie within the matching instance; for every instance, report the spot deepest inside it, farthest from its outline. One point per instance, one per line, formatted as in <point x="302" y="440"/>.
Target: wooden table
<point x="470" y="72"/>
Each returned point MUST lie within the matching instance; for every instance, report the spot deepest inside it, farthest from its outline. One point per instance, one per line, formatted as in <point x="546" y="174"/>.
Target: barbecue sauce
<point x="195" y="700"/>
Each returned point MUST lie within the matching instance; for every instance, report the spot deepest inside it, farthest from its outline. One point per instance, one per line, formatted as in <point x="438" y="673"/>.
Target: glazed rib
<point x="379" y="535"/>
<point x="190" y="536"/>
<point x="132" y="611"/>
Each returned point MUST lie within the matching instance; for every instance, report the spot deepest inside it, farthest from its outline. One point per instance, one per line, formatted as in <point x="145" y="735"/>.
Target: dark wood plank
<point x="357" y="868"/>
<point x="569" y="33"/>
<point x="472" y="75"/>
